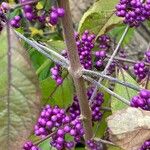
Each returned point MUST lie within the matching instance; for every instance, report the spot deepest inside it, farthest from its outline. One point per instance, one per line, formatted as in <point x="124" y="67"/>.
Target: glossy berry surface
<point x="74" y="110"/>
<point x="55" y="14"/>
<point x="146" y="145"/>
<point x="73" y="129"/>
<point x="142" y="100"/>
<point x="147" y="56"/>
<point x="55" y="120"/>
<point x="15" y="22"/>
<point x="93" y="145"/>
<point x="140" y="70"/>
<point x="30" y="146"/>
<point x="85" y="44"/>
<point x="134" y="12"/>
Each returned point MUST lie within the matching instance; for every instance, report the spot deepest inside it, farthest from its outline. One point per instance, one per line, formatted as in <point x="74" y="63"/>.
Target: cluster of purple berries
<point x="15" y="22"/>
<point x="104" y="45"/>
<point x="29" y="10"/>
<point x="146" y="145"/>
<point x="104" y="42"/>
<point x="55" y="14"/>
<point x="94" y="145"/>
<point x="74" y="129"/>
<point x="32" y="14"/>
<point x="147" y="55"/>
<point x="142" y="100"/>
<point x="134" y="12"/>
<point x="56" y="71"/>
<point x="74" y="109"/>
<point x="30" y="146"/>
<point x="56" y="74"/>
<point x="54" y="120"/>
<point x="100" y="56"/>
<point x="140" y="70"/>
<point x="3" y="8"/>
<point x="50" y="118"/>
<point x="85" y="45"/>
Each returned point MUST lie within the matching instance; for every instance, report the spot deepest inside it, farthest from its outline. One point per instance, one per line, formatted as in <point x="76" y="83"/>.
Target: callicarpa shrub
<point x="83" y="74"/>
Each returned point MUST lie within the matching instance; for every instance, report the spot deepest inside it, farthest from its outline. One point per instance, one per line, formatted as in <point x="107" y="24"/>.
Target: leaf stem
<point x="42" y="67"/>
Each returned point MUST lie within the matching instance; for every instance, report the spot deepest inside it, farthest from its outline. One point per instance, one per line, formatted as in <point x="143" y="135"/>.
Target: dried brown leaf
<point x="129" y="128"/>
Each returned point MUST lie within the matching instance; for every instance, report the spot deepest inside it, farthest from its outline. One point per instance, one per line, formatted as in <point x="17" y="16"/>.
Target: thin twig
<point x="45" y="51"/>
<point x="106" y="108"/>
<point x="98" y="74"/>
<point x="124" y="79"/>
<point x="48" y="50"/>
<point x="125" y="101"/>
<point x="104" y="141"/>
<point x="110" y="61"/>
<point x="23" y="4"/>
<point x="126" y="60"/>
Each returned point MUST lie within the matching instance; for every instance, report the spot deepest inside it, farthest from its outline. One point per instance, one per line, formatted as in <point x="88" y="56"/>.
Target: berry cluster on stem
<point x="134" y="12"/>
<point x="142" y="100"/>
<point x="30" y="146"/>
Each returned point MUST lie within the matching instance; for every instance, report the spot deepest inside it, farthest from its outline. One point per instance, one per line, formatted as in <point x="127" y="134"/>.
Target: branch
<point x="110" y="60"/>
<point x="101" y="75"/>
<point x="48" y="50"/>
<point x="75" y="69"/>
<point x="24" y="3"/>
<point x="45" y="51"/>
<point x="126" y="60"/>
<point x="125" y="101"/>
<point x="104" y="141"/>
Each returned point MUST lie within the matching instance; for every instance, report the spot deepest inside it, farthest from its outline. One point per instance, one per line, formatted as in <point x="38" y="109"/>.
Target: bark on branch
<point x="76" y="68"/>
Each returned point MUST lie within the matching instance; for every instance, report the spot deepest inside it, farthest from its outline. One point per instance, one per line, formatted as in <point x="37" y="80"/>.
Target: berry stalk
<point x="75" y="68"/>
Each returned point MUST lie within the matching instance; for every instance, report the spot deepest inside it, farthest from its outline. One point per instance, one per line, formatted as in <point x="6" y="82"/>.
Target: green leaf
<point x="68" y="137"/>
<point x="117" y="33"/>
<point x="45" y="145"/>
<point x="56" y="45"/>
<point x="19" y="93"/>
<point x="123" y="91"/>
<point x="40" y="63"/>
<point x="100" y="17"/>
<point x="57" y="95"/>
<point x="100" y="127"/>
<point x="43" y="66"/>
<point x="112" y="22"/>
